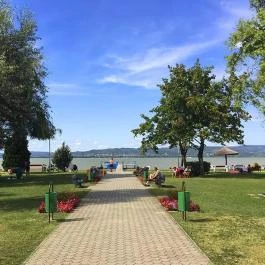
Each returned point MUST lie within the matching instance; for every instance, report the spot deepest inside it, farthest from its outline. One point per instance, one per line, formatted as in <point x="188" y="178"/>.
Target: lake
<point x="161" y="162"/>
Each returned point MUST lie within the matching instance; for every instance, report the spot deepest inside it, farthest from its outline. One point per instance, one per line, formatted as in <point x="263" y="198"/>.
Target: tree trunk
<point x="200" y="156"/>
<point x="183" y="150"/>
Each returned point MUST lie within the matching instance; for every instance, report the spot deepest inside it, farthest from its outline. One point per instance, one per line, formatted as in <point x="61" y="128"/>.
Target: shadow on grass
<point x="203" y="220"/>
<point x="168" y="186"/>
<point x="217" y="175"/>
<point x="38" y="179"/>
<point x="29" y="203"/>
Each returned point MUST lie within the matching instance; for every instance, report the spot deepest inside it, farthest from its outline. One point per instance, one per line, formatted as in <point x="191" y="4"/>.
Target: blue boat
<point x="114" y="165"/>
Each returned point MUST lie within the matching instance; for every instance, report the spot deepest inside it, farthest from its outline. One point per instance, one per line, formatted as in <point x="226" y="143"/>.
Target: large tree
<point x="193" y="108"/>
<point x="246" y="64"/>
<point x="23" y="94"/>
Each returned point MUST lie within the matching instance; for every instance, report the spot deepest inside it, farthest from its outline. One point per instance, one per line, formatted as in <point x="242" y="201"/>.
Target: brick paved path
<point x="118" y="223"/>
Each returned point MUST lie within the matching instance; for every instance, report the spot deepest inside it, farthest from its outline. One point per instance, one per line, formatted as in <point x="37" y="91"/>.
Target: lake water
<point x="161" y="162"/>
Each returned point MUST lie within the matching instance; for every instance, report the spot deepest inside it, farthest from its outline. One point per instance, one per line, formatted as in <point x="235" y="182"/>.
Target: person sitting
<point x="187" y="172"/>
<point x="74" y="168"/>
<point x="77" y="181"/>
<point x="179" y="172"/>
<point x="173" y="172"/>
<point x="156" y="176"/>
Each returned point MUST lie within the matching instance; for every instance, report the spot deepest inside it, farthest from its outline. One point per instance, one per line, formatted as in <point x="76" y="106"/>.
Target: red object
<point x="66" y="204"/>
<point x="172" y="204"/>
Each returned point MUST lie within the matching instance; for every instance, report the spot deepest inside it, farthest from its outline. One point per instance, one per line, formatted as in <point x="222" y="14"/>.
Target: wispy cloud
<point x="232" y="13"/>
<point x="67" y="89"/>
<point x="160" y="57"/>
<point x="146" y="69"/>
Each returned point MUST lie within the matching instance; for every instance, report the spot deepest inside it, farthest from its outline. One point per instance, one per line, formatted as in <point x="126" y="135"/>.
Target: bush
<point x="256" y="167"/>
<point x="195" y="167"/>
<point x="62" y="157"/>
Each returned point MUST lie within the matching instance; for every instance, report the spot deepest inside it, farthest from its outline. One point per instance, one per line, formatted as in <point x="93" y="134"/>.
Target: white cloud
<point x="233" y="12"/>
<point x="237" y="9"/>
<point x="67" y="89"/>
<point x="146" y="69"/>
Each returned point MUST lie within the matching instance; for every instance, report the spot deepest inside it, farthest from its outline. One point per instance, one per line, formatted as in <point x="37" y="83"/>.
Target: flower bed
<point x="172" y="205"/>
<point x="66" y="203"/>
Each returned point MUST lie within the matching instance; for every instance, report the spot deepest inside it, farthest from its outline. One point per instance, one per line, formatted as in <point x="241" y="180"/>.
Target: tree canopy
<point x="193" y="108"/>
<point x="23" y="94"/>
<point x="246" y="63"/>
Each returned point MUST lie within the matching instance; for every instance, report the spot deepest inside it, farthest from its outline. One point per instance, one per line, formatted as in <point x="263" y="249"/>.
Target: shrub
<point x="256" y="167"/>
<point x="62" y="157"/>
<point x="195" y="167"/>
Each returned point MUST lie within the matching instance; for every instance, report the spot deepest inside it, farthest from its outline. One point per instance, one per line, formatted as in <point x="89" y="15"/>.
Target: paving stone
<point x="119" y="223"/>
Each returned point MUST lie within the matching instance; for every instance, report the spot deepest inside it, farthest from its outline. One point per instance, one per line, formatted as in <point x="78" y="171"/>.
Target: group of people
<point x="181" y="172"/>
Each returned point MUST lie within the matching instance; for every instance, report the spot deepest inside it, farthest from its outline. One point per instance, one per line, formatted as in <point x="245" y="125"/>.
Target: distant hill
<point x="244" y="151"/>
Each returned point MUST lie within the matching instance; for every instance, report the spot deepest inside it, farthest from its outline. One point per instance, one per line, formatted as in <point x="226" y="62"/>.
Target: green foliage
<point x="22" y="89"/>
<point x="246" y="63"/>
<point x="16" y="152"/>
<point x="257" y="4"/>
<point x="24" y="228"/>
<point x="193" y="108"/>
<point x="256" y="167"/>
<point x="231" y="227"/>
<point x="196" y="168"/>
<point x="62" y="157"/>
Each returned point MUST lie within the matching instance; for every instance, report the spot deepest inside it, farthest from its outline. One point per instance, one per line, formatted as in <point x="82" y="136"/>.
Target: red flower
<point x="168" y="203"/>
<point x="66" y="203"/>
<point x="172" y="204"/>
<point x="194" y="207"/>
<point x="41" y="208"/>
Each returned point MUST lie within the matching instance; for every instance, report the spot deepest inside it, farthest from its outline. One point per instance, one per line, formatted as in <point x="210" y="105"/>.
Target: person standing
<point x="111" y="164"/>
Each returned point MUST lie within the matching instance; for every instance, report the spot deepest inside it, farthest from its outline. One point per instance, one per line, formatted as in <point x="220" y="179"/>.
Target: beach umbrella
<point x="225" y="151"/>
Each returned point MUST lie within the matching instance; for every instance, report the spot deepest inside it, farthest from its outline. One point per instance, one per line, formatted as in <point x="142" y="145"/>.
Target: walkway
<point x="118" y="223"/>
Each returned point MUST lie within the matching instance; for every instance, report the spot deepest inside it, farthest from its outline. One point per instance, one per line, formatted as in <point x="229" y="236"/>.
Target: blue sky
<point x="105" y="58"/>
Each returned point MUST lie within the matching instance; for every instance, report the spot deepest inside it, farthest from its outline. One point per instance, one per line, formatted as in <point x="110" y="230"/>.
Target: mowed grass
<point x="230" y="229"/>
<point x="22" y="228"/>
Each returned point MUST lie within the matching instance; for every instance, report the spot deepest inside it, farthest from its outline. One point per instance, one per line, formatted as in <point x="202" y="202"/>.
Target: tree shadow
<point x="220" y="175"/>
<point x="39" y="179"/>
<point x="28" y="203"/>
<point x="203" y="220"/>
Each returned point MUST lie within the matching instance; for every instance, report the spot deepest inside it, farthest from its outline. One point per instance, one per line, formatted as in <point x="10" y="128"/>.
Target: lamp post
<point x="178" y="155"/>
<point x="60" y="132"/>
<point x="49" y="165"/>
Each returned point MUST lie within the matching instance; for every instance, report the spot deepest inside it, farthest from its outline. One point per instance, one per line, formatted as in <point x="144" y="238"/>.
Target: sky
<point x="105" y="58"/>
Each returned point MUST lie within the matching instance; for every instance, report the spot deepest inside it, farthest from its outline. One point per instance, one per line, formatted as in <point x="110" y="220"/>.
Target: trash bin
<point x="51" y="202"/>
<point x="146" y="174"/>
<point x="183" y="201"/>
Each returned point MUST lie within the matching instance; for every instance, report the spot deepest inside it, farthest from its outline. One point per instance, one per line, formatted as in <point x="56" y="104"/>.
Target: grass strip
<point x="230" y="229"/>
<point x="22" y="228"/>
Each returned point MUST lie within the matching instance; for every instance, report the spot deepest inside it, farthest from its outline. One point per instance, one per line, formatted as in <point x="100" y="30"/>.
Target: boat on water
<point x="132" y="165"/>
<point x="106" y="165"/>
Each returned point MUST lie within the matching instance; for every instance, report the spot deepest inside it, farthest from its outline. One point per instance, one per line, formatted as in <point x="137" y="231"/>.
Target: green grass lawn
<point x="22" y="228"/>
<point x="230" y="229"/>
